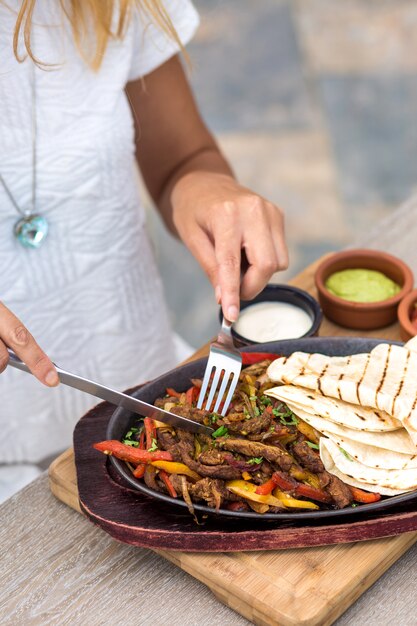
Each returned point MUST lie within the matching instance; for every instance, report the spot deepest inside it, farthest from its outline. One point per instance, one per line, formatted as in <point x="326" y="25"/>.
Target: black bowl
<point x="122" y="420"/>
<point x="282" y="293"/>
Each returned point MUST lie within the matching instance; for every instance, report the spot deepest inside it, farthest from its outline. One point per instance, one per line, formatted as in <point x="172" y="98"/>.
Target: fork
<point x="223" y="357"/>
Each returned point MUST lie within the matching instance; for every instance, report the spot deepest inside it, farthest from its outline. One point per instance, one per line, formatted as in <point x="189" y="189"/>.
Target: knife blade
<point x="118" y="398"/>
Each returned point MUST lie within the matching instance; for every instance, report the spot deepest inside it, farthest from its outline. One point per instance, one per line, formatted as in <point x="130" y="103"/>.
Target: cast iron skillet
<point x="179" y="379"/>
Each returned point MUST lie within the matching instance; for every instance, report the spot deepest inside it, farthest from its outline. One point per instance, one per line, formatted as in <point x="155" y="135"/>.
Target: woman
<point x="90" y="292"/>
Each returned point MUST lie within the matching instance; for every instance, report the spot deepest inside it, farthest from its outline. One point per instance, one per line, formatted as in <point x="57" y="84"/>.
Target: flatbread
<point x="385" y="379"/>
<point x="397" y="440"/>
<point x="371" y="456"/>
<point x="398" y="481"/>
<point x="343" y="413"/>
<point x="330" y="466"/>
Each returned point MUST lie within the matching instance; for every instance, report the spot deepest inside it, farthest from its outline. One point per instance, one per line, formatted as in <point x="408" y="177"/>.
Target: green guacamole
<point x="360" y="285"/>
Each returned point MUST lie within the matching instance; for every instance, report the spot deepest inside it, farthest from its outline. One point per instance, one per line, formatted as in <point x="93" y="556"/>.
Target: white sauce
<point x="269" y="321"/>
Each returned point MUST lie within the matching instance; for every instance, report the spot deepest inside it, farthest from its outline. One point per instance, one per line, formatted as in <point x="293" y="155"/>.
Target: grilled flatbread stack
<point x="365" y="406"/>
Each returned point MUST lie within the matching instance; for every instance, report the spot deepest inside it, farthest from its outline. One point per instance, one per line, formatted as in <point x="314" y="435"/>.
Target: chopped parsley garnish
<point x="130" y="442"/>
<point x="220" y="432"/>
<point x="312" y="445"/>
<point x="266" y="401"/>
<point x="214" y="417"/>
<point x="131" y="432"/>
<point x="347" y="455"/>
<point x="154" y="445"/>
<point x="256" y="460"/>
<point x="128" y="438"/>
<point x="282" y="415"/>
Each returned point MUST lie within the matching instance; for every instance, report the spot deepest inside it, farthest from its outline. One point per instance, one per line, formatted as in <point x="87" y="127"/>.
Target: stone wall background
<point x="315" y="104"/>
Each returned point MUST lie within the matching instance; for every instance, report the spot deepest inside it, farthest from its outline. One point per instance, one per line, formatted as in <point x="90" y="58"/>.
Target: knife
<point x="119" y="399"/>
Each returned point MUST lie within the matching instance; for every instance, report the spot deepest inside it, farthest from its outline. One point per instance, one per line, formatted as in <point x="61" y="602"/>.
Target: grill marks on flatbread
<point x="347" y="415"/>
<point x="359" y="382"/>
<point x="371" y="455"/>
<point x="377" y="379"/>
<point x="397" y="440"/>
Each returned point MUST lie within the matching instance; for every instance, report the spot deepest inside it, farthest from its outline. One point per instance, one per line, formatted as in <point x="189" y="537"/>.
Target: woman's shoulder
<point x="152" y="39"/>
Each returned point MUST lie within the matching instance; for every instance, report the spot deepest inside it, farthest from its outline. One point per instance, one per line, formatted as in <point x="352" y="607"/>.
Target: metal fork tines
<point x="225" y="362"/>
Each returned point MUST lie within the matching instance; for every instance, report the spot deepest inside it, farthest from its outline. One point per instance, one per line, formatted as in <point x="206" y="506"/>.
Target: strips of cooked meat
<point x="150" y="478"/>
<point x="308" y="457"/>
<point x="337" y="490"/>
<point x="226" y="472"/>
<point x="205" y="489"/>
<point x="253" y="426"/>
<point x="169" y="443"/>
<point x="197" y="415"/>
<point x="213" y="457"/>
<point x="213" y="491"/>
<point x="274" y="454"/>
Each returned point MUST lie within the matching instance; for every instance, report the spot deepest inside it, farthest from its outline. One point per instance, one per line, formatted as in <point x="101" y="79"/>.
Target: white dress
<point x="91" y="295"/>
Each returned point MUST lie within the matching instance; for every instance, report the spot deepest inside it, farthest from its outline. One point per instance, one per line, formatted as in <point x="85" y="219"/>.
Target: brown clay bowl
<point x="404" y="311"/>
<point x="362" y="315"/>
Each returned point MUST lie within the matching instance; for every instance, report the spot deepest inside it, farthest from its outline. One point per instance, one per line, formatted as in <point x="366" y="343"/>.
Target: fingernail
<point x="232" y="313"/>
<point x="218" y="294"/>
<point x="52" y="379"/>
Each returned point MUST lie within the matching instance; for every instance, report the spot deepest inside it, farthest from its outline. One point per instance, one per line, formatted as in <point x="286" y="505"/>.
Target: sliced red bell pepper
<point x="172" y="393"/>
<point x="312" y="493"/>
<point x="191" y="395"/>
<point x="364" y="496"/>
<point x="129" y="454"/>
<point x="266" y="488"/>
<point x="150" y="431"/>
<point x="168" y="484"/>
<point x="300" y="489"/>
<point x="250" y="358"/>
<point x="284" y="482"/>
<point x="139" y="471"/>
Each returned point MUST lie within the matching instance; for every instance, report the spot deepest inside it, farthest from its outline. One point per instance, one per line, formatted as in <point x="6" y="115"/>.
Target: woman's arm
<point x="195" y="190"/>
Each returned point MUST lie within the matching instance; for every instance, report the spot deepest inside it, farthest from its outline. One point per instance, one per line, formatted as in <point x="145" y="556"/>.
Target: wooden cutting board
<point x="311" y="586"/>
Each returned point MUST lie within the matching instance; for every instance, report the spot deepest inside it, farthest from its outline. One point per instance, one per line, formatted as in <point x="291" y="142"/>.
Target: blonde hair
<point x="82" y="14"/>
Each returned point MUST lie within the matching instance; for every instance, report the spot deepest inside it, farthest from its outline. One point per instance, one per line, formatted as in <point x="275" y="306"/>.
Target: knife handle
<point x="14" y="361"/>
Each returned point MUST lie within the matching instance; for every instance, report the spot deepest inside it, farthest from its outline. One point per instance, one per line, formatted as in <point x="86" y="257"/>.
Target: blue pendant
<point x="31" y="231"/>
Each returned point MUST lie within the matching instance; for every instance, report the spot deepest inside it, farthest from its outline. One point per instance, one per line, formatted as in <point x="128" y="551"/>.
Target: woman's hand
<point x="217" y="218"/>
<point x="14" y="335"/>
<point x="194" y="188"/>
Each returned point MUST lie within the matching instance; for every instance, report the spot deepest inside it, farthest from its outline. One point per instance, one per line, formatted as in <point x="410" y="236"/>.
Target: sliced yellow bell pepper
<point x="172" y="467"/>
<point x="291" y="502"/>
<point x="258" y="507"/>
<point x="308" y="431"/>
<point x="305" y="476"/>
<point x="159" y="424"/>
<point x="247" y="490"/>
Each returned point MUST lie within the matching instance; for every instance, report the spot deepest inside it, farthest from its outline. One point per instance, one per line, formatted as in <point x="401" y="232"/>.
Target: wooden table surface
<point x="56" y="568"/>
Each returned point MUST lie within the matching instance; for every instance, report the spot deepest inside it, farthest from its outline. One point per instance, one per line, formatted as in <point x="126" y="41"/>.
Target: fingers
<point x="4" y="357"/>
<point x="202" y="248"/>
<point x="216" y="238"/>
<point x="14" y="335"/>
<point x="264" y="246"/>
<point x="278" y="236"/>
<point x="228" y="242"/>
